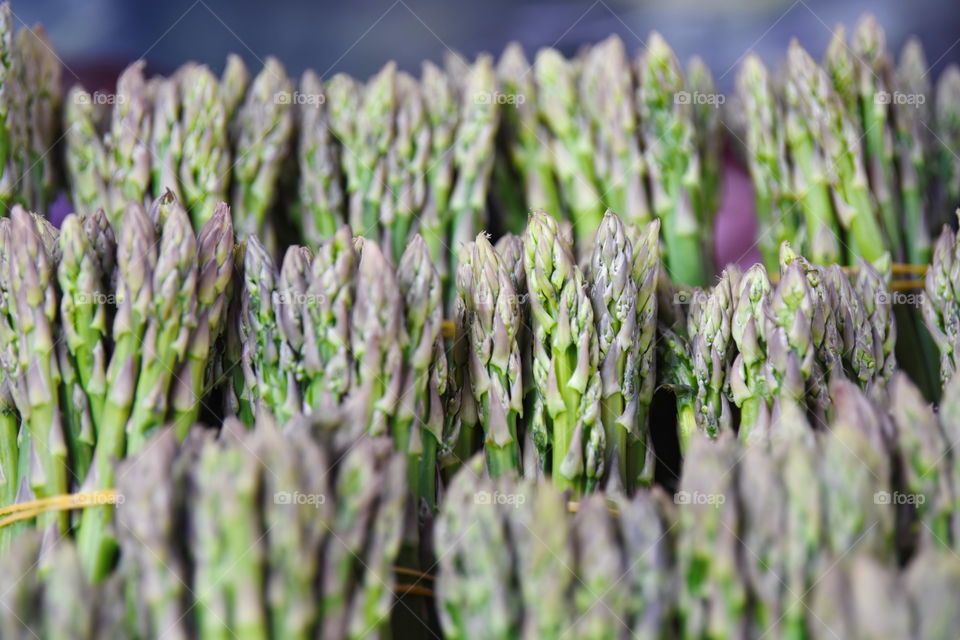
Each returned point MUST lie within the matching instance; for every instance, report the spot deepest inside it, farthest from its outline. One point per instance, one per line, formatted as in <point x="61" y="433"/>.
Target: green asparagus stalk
<point x="86" y="157"/>
<point x="173" y="318"/>
<point x="419" y="424"/>
<point x="572" y="146"/>
<point x="606" y="93"/>
<point x="290" y="308"/>
<point x="667" y="126"/>
<point x="495" y="367"/>
<point x="377" y="339"/>
<point x="34" y="304"/>
<point x="767" y="160"/>
<point x="473" y="153"/>
<point x="948" y="135"/>
<point x="810" y="142"/>
<point x="915" y="159"/>
<point x="441" y="100"/>
<point x="873" y="76"/>
<point x="709" y="328"/>
<point x="215" y="246"/>
<point x="528" y="156"/>
<point x="940" y="312"/>
<point x="613" y="291"/>
<point x="327" y="360"/>
<point x="136" y="262"/>
<point x="709" y="135"/>
<point x="565" y="358"/>
<point x="407" y="165"/>
<point x="166" y="138"/>
<point x="264" y="132"/>
<point x="233" y="88"/>
<point x="375" y="134"/>
<point x="750" y="381"/>
<point x="267" y="385"/>
<point x="205" y="168"/>
<point x="320" y="192"/>
<point x="128" y="143"/>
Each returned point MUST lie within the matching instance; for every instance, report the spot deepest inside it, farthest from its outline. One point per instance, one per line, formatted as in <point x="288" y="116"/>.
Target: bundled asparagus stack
<point x="30" y="97"/>
<point x="513" y="563"/>
<point x="288" y="537"/>
<point x="790" y="534"/>
<point x="591" y="134"/>
<point x="843" y="157"/>
<point x="105" y="338"/>
<point x="750" y="343"/>
<point x="191" y="134"/>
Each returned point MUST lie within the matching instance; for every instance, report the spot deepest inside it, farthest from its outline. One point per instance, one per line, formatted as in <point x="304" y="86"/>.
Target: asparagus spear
<point x="873" y="84"/>
<point x="523" y="133"/>
<point x="377" y="340"/>
<point x="136" y="262"/>
<point x="264" y="131"/>
<point x="706" y="112"/>
<point x="33" y="311"/>
<point x="667" y="127"/>
<point x="128" y="143"/>
<point x="440" y="98"/>
<point x="810" y="105"/>
<point x="233" y="88"/>
<point x="606" y="93"/>
<point x="215" y="246"/>
<point x="613" y="291"/>
<point x="327" y="361"/>
<point x="942" y="285"/>
<point x="473" y="152"/>
<point x="419" y="424"/>
<point x="166" y="138"/>
<point x="572" y="147"/>
<point x="749" y="378"/>
<point x="290" y="311"/>
<point x="709" y="328"/>
<point x="914" y="155"/>
<point x="495" y="366"/>
<point x="86" y="157"/>
<point x="375" y="133"/>
<point x="205" y="168"/>
<point x="565" y="358"/>
<point x="767" y="160"/>
<point x="173" y="318"/>
<point x="320" y="191"/>
<point x="267" y="385"/>
<point x="948" y="135"/>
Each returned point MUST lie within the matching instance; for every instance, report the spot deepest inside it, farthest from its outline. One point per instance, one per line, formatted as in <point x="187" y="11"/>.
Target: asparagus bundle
<point x="513" y="563"/>
<point x="30" y="97"/>
<point x="289" y="536"/>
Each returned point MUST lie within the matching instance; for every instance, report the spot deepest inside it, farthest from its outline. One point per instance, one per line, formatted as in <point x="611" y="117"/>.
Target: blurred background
<point x="97" y="38"/>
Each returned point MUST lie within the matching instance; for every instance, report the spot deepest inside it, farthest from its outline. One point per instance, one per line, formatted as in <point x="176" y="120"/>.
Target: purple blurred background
<point x="97" y="38"/>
